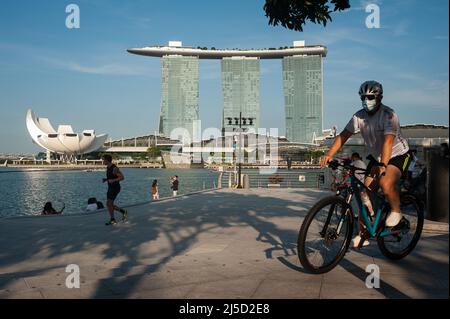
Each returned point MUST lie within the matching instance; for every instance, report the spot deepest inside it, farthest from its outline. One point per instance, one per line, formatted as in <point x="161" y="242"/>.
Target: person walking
<point x="155" y="191"/>
<point x="113" y="177"/>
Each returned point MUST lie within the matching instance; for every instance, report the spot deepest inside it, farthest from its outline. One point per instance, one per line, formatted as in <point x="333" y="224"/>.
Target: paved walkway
<point x="219" y="244"/>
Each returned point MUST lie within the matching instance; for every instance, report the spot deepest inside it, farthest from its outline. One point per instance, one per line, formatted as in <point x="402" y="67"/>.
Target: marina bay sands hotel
<point x="302" y="84"/>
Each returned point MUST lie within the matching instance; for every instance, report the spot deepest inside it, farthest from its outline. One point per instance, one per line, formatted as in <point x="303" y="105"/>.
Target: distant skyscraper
<point x="302" y="74"/>
<point x="179" y="103"/>
<point x="240" y="87"/>
<point x="303" y="96"/>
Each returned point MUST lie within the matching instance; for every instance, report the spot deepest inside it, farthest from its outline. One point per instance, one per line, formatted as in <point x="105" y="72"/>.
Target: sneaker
<point x="111" y="222"/>
<point x="393" y="219"/>
<point x="124" y="214"/>
<point x="357" y="239"/>
<point x="403" y="226"/>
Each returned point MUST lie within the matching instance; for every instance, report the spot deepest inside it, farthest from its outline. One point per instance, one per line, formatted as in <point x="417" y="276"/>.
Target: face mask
<point x="369" y="105"/>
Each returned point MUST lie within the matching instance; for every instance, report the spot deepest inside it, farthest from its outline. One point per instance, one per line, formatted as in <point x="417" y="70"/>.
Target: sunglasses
<point x="368" y="97"/>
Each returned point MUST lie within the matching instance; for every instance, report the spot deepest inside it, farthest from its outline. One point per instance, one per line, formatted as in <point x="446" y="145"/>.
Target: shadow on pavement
<point x="176" y="224"/>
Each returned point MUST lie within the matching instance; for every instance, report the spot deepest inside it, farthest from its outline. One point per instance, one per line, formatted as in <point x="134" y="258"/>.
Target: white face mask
<point x="369" y="105"/>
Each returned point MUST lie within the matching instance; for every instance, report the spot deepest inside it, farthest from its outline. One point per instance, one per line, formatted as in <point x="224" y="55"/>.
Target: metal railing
<point x="311" y="178"/>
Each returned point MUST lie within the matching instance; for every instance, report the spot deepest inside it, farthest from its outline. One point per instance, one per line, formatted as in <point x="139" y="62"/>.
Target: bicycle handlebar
<point x="334" y="164"/>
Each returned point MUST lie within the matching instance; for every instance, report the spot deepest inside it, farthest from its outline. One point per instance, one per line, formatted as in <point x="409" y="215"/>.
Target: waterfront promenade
<point x="216" y="244"/>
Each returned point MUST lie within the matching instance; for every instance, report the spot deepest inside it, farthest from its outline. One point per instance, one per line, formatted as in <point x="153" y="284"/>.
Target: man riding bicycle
<point x="380" y="128"/>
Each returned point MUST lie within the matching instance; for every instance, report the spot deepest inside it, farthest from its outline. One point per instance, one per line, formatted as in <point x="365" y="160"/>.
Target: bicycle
<point x="338" y="177"/>
<point x="327" y="229"/>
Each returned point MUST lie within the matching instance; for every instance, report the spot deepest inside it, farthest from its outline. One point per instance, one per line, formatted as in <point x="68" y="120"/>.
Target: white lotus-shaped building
<point x="64" y="140"/>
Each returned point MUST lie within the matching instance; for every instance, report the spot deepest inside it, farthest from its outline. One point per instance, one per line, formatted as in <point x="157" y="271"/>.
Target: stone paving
<point x="218" y="244"/>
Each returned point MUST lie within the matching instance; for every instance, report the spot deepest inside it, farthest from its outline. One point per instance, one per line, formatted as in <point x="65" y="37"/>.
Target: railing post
<point x="219" y="181"/>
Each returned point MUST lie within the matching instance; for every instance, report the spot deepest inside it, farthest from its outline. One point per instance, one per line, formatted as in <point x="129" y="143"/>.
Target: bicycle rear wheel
<point x="399" y="245"/>
<point x="325" y="234"/>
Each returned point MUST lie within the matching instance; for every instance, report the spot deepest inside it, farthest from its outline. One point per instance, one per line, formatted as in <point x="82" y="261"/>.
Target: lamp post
<point x="240" y="121"/>
<point x="240" y="151"/>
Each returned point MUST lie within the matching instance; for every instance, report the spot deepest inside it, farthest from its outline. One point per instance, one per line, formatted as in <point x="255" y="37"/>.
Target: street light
<point x="240" y="121"/>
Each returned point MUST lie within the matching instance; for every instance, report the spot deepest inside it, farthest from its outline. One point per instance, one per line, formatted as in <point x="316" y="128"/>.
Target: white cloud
<point x="50" y="58"/>
<point x="408" y="76"/>
<point x="110" y="69"/>
<point x="441" y="37"/>
<point x="333" y="36"/>
<point x="100" y="69"/>
<point x="363" y="5"/>
<point x="433" y="95"/>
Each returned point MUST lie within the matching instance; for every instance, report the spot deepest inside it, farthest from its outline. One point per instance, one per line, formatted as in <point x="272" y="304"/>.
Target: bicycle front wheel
<point x="405" y="236"/>
<point x="325" y="234"/>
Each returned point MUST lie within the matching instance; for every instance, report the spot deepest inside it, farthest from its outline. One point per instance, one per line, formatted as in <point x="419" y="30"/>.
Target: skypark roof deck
<point x="204" y="53"/>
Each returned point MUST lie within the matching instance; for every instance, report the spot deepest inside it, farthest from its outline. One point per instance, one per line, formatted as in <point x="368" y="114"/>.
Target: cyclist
<point x="380" y="128"/>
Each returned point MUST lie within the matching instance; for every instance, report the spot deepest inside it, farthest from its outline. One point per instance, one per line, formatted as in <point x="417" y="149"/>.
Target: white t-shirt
<point x="91" y="207"/>
<point x="374" y="127"/>
<point x="359" y="174"/>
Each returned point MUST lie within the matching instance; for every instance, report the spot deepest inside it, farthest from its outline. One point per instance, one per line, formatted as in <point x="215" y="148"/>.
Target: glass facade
<point x="240" y="88"/>
<point x="179" y="102"/>
<point x="303" y="86"/>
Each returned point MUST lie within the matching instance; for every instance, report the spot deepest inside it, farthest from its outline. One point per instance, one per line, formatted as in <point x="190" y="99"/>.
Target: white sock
<point x="393" y="219"/>
<point x="356" y="241"/>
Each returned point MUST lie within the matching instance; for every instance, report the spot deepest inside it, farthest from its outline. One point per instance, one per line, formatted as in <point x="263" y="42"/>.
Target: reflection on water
<point x="25" y="192"/>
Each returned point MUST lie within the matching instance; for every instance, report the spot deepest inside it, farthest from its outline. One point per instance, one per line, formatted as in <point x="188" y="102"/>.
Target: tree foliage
<point x="293" y="14"/>
<point x="155" y="151"/>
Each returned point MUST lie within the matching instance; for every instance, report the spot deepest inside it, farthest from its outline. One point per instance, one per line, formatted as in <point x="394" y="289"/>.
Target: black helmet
<point x="371" y="88"/>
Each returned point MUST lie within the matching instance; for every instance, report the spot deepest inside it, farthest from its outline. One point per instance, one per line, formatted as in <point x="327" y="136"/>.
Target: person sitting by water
<point x="100" y="205"/>
<point x="94" y="204"/>
<point x="155" y="191"/>
<point x="49" y="210"/>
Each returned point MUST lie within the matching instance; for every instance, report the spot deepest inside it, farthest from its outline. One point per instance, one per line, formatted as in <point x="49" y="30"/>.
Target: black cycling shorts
<point x="112" y="193"/>
<point x="401" y="162"/>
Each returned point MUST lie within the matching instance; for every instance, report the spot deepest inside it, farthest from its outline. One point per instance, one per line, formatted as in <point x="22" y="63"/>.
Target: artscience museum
<point x="63" y="141"/>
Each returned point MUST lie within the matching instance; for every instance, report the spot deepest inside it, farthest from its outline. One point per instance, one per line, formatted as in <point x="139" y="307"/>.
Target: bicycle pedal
<point x="402" y="225"/>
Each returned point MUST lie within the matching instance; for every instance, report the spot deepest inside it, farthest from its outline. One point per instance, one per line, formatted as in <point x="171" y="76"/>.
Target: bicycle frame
<point x="372" y="227"/>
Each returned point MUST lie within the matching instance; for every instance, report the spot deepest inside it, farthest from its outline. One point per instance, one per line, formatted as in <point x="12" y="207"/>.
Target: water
<point x="24" y="192"/>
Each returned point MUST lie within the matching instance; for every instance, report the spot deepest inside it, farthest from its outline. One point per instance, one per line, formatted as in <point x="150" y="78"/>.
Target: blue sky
<point x="85" y="77"/>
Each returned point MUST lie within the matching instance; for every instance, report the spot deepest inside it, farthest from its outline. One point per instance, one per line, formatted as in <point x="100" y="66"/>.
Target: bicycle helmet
<point x="371" y="93"/>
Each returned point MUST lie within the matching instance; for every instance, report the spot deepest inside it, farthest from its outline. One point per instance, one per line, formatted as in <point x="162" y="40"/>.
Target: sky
<point x="85" y="77"/>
